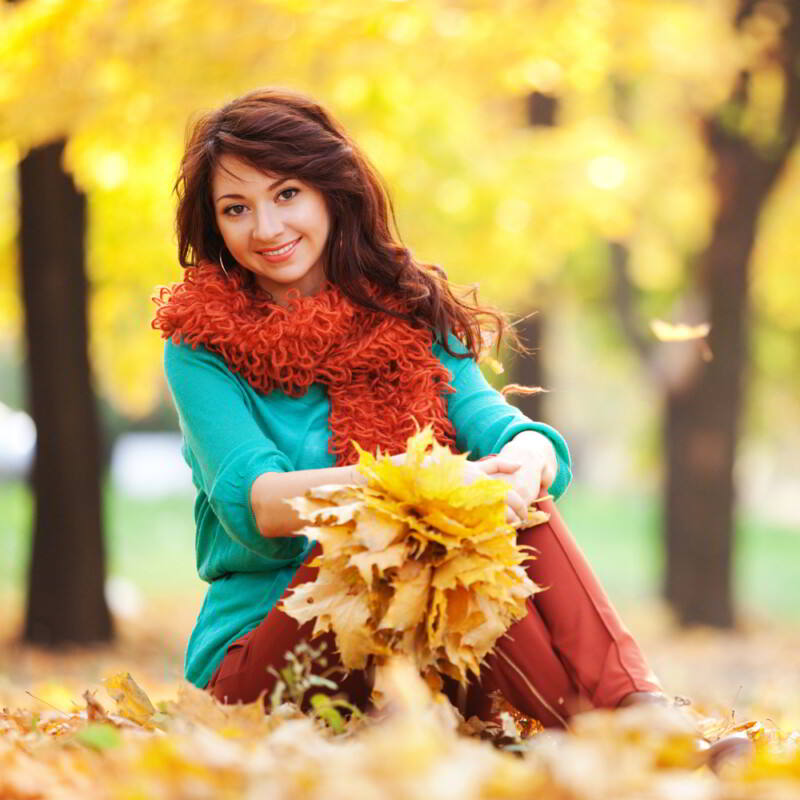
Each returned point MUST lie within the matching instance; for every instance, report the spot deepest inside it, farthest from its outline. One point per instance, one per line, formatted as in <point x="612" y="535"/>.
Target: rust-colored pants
<point x="571" y="652"/>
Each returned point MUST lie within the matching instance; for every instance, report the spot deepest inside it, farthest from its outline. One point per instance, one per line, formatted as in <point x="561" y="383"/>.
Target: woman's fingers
<point x="517" y="506"/>
<point x="526" y="485"/>
<point x="548" y="476"/>
<point x="494" y="466"/>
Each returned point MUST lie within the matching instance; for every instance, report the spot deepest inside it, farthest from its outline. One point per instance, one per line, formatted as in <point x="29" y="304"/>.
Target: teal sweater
<point x="232" y="434"/>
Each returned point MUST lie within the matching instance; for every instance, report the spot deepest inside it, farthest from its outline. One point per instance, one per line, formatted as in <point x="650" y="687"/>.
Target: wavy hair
<point x="285" y="133"/>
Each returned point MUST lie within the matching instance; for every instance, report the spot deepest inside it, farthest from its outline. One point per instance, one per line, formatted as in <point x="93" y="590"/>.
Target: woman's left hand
<point x="529" y="464"/>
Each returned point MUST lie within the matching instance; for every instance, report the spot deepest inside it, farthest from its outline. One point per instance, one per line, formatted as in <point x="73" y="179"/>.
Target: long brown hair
<point x="285" y="133"/>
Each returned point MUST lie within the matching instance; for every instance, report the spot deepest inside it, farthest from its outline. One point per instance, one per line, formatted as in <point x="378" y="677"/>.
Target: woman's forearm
<point x="275" y="517"/>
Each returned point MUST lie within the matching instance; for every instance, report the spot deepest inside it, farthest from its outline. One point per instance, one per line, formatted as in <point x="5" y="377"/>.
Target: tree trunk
<point x="702" y="410"/>
<point x="527" y="369"/>
<point x="700" y="432"/>
<point x="65" y="601"/>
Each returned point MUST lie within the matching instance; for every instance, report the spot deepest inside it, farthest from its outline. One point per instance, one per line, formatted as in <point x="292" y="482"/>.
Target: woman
<point x="302" y="324"/>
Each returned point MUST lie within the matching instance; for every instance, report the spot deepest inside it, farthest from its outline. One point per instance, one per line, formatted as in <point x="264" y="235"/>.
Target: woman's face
<point x="274" y="226"/>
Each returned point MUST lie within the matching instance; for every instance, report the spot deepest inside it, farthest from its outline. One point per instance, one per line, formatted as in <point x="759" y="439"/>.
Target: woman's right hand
<point x="497" y="467"/>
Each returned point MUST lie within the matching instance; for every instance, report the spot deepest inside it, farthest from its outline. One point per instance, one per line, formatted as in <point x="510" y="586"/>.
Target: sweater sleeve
<point x="485" y="422"/>
<point x="226" y="448"/>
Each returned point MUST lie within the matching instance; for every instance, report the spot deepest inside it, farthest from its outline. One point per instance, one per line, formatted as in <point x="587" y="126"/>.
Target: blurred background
<point x="627" y="170"/>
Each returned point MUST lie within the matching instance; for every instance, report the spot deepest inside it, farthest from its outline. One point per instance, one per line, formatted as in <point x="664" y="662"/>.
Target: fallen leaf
<point x="99" y="736"/>
<point x="132" y="702"/>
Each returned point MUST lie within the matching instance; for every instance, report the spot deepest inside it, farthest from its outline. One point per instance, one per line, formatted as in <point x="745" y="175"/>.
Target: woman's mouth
<point x="279" y="253"/>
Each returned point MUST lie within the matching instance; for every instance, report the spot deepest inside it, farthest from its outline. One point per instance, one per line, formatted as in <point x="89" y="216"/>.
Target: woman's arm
<point x="274" y="516"/>
<point x="538" y="465"/>
<point x="486" y="424"/>
<point x="227" y="449"/>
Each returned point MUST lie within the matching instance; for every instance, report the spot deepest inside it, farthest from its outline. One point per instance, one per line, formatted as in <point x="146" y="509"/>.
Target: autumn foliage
<point x="414" y="563"/>
<point x="191" y="746"/>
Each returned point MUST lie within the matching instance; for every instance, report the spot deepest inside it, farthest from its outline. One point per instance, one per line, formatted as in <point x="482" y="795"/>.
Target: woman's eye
<point x="235" y="210"/>
<point x="288" y="193"/>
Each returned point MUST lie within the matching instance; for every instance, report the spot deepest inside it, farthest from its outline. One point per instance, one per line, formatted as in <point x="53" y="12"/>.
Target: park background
<point x="603" y="164"/>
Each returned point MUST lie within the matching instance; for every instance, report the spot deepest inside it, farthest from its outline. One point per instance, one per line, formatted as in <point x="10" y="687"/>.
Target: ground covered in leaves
<point x="63" y="735"/>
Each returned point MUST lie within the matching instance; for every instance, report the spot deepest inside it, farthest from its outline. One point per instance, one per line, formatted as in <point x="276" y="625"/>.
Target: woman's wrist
<point x="527" y="443"/>
<point x="270" y="490"/>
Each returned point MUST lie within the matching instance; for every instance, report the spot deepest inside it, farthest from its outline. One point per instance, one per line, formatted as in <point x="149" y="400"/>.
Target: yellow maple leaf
<point x="322" y="513"/>
<point x="332" y="537"/>
<point x="381" y="561"/>
<point x="409" y="602"/>
<point x="483" y="636"/>
<point x="132" y="702"/>
<point x="449" y="574"/>
<point x="345" y="613"/>
<point x="377" y="531"/>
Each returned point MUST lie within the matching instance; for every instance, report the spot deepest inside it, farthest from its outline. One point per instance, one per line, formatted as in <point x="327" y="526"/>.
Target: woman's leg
<point x="242" y="675"/>
<point x="527" y="671"/>
<point x="572" y="647"/>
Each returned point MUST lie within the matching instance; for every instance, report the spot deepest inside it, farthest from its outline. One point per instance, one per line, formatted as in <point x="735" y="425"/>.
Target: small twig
<point x="733" y="704"/>
<point x="39" y="699"/>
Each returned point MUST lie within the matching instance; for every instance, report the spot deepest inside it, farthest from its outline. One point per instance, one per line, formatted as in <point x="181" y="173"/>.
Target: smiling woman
<point x="274" y="226"/>
<point x="303" y="325"/>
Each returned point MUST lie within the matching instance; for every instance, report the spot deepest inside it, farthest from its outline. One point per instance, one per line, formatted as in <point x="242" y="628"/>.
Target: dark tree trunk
<point x="703" y="408"/>
<point x="65" y="590"/>
<point x="527" y="369"/>
<point x="703" y="400"/>
<point x="701" y="426"/>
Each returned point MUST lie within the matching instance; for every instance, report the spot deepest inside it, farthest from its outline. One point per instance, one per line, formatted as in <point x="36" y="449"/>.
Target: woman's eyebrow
<point x="241" y="196"/>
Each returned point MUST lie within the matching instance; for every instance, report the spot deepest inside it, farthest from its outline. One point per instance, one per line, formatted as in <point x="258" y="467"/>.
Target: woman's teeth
<point x="281" y="250"/>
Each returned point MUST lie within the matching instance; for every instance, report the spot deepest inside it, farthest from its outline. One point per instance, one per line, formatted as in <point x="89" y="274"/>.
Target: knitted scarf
<point x="382" y="377"/>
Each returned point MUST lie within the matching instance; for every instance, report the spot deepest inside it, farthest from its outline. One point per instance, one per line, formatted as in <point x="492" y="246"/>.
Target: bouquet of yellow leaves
<point x="414" y="563"/>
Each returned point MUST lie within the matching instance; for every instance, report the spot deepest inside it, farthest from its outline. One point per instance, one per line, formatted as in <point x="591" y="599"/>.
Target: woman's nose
<point x="269" y="225"/>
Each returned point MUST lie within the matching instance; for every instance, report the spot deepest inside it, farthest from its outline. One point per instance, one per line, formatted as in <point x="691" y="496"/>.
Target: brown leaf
<point x="94" y="711"/>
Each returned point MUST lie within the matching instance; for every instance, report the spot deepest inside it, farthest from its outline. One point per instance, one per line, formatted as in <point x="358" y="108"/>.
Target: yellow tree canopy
<point x="434" y="91"/>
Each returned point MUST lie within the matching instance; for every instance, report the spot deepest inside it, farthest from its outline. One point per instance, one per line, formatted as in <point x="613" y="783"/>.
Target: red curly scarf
<point x="381" y="374"/>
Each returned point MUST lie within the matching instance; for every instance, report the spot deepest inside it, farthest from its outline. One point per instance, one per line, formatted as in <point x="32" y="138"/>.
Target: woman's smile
<point x="281" y="253"/>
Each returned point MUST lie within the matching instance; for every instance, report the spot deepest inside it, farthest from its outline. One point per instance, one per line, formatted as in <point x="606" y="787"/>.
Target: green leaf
<point x="99" y="736"/>
<point x="325" y="709"/>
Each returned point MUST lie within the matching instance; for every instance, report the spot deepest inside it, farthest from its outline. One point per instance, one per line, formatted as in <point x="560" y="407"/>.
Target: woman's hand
<point x="529" y="464"/>
<point x="497" y="467"/>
